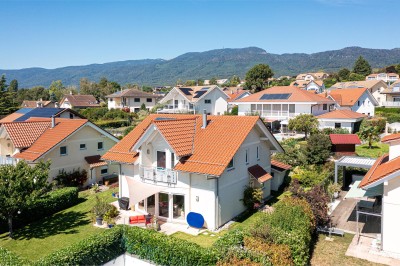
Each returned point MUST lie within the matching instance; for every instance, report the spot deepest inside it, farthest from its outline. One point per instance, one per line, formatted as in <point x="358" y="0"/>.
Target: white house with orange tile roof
<point x="195" y="99"/>
<point x="386" y="172"/>
<point x="386" y="77"/>
<point x="283" y="103"/>
<point x="69" y="144"/>
<point x="173" y="165"/>
<point x="316" y="86"/>
<point x="345" y="119"/>
<point x="358" y="100"/>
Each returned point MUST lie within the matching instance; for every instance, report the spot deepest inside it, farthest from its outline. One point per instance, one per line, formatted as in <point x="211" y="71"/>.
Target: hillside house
<point x="70" y="144"/>
<point x="195" y="99"/>
<point x="392" y="95"/>
<point x="358" y="100"/>
<point x="386" y="77"/>
<point x="345" y="119"/>
<point x="316" y="86"/>
<point x="79" y="101"/>
<point x="172" y="165"/>
<point x="132" y="99"/>
<point x="312" y="76"/>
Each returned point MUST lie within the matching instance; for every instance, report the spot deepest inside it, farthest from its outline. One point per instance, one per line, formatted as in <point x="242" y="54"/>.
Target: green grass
<point x="377" y="150"/>
<point x="204" y="240"/>
<point x="333" y="252"/>
<point x="62" y="229"/>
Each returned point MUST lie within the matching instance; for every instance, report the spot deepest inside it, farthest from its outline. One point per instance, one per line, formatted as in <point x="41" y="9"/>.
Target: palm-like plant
<point x="370" y="134"/>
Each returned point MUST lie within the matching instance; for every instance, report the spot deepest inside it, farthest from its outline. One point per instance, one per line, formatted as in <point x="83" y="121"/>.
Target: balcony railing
<point x="278" y="114"/>
<point x="157" y="174"/>
<point x="391" y="104"/>
<point x="175" y="108"/>
<point x="7" y="160"/>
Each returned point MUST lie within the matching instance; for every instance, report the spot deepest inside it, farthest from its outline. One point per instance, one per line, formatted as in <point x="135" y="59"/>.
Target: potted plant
<point x="334" y="189"/>
<point x="99" y="210"/>
<point x="111" y="215"/>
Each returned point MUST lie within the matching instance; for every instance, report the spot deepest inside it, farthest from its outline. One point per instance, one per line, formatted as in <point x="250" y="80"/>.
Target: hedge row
<point x="112" y="123"/>
<point x="165" y="250"/>
<point x="7" y="258"/>
<point x="95" y="250"/>
<point x="51" y="203"/>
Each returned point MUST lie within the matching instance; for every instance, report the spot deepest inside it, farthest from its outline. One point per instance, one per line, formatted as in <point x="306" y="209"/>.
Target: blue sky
<point x="61" y="33"/>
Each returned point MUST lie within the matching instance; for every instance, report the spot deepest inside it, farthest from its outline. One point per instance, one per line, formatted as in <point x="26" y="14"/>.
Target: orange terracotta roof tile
<point x="259" y="173"/>
<point x="347" y="97"/>
<point x="381" y="168"/>
<point x="278" y="164"/>
<point x="234" y="93"/>
<point x="95" y="161"/>
<point x="296" y="95"/>
<point x="50" y="138"/>
<point x="344" y="139"/>
<point x="179" y="134"/>
<point x="391" y="137"/>
<point x="341" y="114"/>
<point x="81" y="100"/>
<point x="11" y="117"/>
<point x="24" y="134"/>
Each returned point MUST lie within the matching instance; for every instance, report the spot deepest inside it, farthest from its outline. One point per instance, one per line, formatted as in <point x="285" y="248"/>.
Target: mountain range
<point x="220" y="63"/>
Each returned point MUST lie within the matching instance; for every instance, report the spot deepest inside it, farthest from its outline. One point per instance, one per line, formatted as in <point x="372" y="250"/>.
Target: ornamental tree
<point x="257" y="77"/>
<point x="304" y="123"/>
<point x="20" y="185"/>
<point x="370" y="134"/>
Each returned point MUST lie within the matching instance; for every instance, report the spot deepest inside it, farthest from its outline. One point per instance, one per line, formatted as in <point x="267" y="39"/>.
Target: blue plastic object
<point x="195" y="219"/>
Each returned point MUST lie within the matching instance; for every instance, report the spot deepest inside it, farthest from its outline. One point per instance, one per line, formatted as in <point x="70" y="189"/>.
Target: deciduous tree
<point x="257" y="77"/>
<point x="318" y="148"/>
<point x="370" y="134"/>
<point x="344" y="74"/>
<point x="303" y="123"/>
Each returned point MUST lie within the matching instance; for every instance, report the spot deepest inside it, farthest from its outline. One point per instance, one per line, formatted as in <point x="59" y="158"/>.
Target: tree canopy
<point x="257" y="77"/>
<point x="304" y="123"/>
<point x="20" y="185"/>
<point x="362" y="67"/>
<point x="369" y="133"/>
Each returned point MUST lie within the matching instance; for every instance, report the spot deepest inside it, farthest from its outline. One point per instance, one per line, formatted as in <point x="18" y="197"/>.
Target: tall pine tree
<point x="362" y="67"/>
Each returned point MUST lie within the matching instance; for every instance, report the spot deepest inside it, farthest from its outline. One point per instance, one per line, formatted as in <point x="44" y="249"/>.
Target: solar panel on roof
<point x="24" y="110"/>
<point x="199" y="93"/>
<point x="276" y="96"/>
<point x="40" y="112"/>
<point x="205" y="88"/>
<point x="186" y="91"/>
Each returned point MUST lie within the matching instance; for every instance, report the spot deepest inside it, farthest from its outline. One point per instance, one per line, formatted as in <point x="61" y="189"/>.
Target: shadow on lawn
<point x="60" y="223"/>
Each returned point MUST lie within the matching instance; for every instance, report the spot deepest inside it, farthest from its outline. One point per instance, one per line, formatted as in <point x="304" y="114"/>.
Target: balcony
<point x="158" y="175"/>
<point x="277" y="114"/>
<point x="391" y="104"/>
<point x="176" y="109"/>
<point x="7" y="160"/>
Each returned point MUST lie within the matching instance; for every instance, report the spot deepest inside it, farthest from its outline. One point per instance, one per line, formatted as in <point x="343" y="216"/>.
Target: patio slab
<point x="366" y="248"/>
<point x="172" y="228"/>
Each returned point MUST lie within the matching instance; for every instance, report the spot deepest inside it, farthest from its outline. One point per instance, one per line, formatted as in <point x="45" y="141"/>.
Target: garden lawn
<point x="333" y="252"/>
<point x="58" y="231"/>
<point x="377" y="150"/>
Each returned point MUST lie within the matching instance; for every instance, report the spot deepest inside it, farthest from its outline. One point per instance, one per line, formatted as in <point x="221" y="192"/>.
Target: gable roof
<point x="295" y="95"/>
<point x="391" y="137"/>
<point x="210" y="149"/>
<point x="394" y="88"/>
<point x="341" y="114"/>
<point x="234" y="93"/>
<point x="381" y="169"/>
<point x="344" y="139"/>
<point x="24" y="134"/>
<point x="304" y="83"/>
<point x="34" y="104"/>
<point x="277" y="164"/>
<point x="357" y="84"/>
<point x="347" y="97"/>
<point x="50" y="138"/>
<point x="132" y="93"/>
<point x="194" y="93"/>
<point x="80" y="100"/>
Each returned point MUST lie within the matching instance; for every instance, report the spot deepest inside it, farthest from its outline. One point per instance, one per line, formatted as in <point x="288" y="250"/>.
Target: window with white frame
<point x="63" y="150"/>
<point x="82" y="146"/>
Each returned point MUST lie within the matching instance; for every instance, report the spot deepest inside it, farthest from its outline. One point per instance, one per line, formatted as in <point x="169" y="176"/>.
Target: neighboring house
<point x="386" y="77"/>
<point x="132" y="99"/>
<point x="195" y="99"/>
<point x="312" y="76"/>
<point x="375" y="87"/>
<point x="283" y="102"/>
<point x="344" y="144"/>
<point x="24" y="114"/>
<point x="40" y="103"/>
<point x="172" y="165"/>
<point x="358" y="100"/>
<point x="79" y="101"/>
<point x="310" y="85"/>
<point x="70" y="144"/>
<point x="392" y="95"/>
<point x="345" y="119"/>
<point x="385" y="173"/>
<point x="279" y="171"/>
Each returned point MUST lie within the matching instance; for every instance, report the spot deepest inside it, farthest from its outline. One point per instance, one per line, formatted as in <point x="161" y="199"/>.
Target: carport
<point x="352" y="161"/>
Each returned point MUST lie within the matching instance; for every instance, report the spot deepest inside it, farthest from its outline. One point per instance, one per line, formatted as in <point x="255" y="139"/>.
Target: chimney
<point x="53" y="121"/>
<point x="204" y="119"/>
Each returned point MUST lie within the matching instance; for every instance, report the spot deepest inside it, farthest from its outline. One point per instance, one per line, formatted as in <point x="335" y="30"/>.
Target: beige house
<point x="386" y="77"/>
<point x="392" y="95"/>
<point x="132" y="99"/>
<point x="69" y="144"/>
<point x="375" y="87"/>
<point x="79" y="101"/>
<point x="312" y="76"/>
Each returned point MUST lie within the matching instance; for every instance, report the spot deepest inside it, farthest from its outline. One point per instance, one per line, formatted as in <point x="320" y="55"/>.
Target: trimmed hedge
<point x="7" y="258"/>
<point x="95" y="250"/>
<point x="112" y="123"/>
<point x="165" y="250"/>
<point x="51" y="203"/>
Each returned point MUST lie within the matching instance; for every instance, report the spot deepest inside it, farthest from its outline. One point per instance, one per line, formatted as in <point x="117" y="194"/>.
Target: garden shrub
<point x="94" y="250"/>
<point x="310" y="176"/>
<point x="165" y="250"/>
<point x="251" y="197"/>
<point x="318" y="149"/>
<point x="7" y="258"/>
<point x="75" y="178"/>
<point x="112" y="123"/>
<point x="52" y="202"/>
<point x="279" y="255"/>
